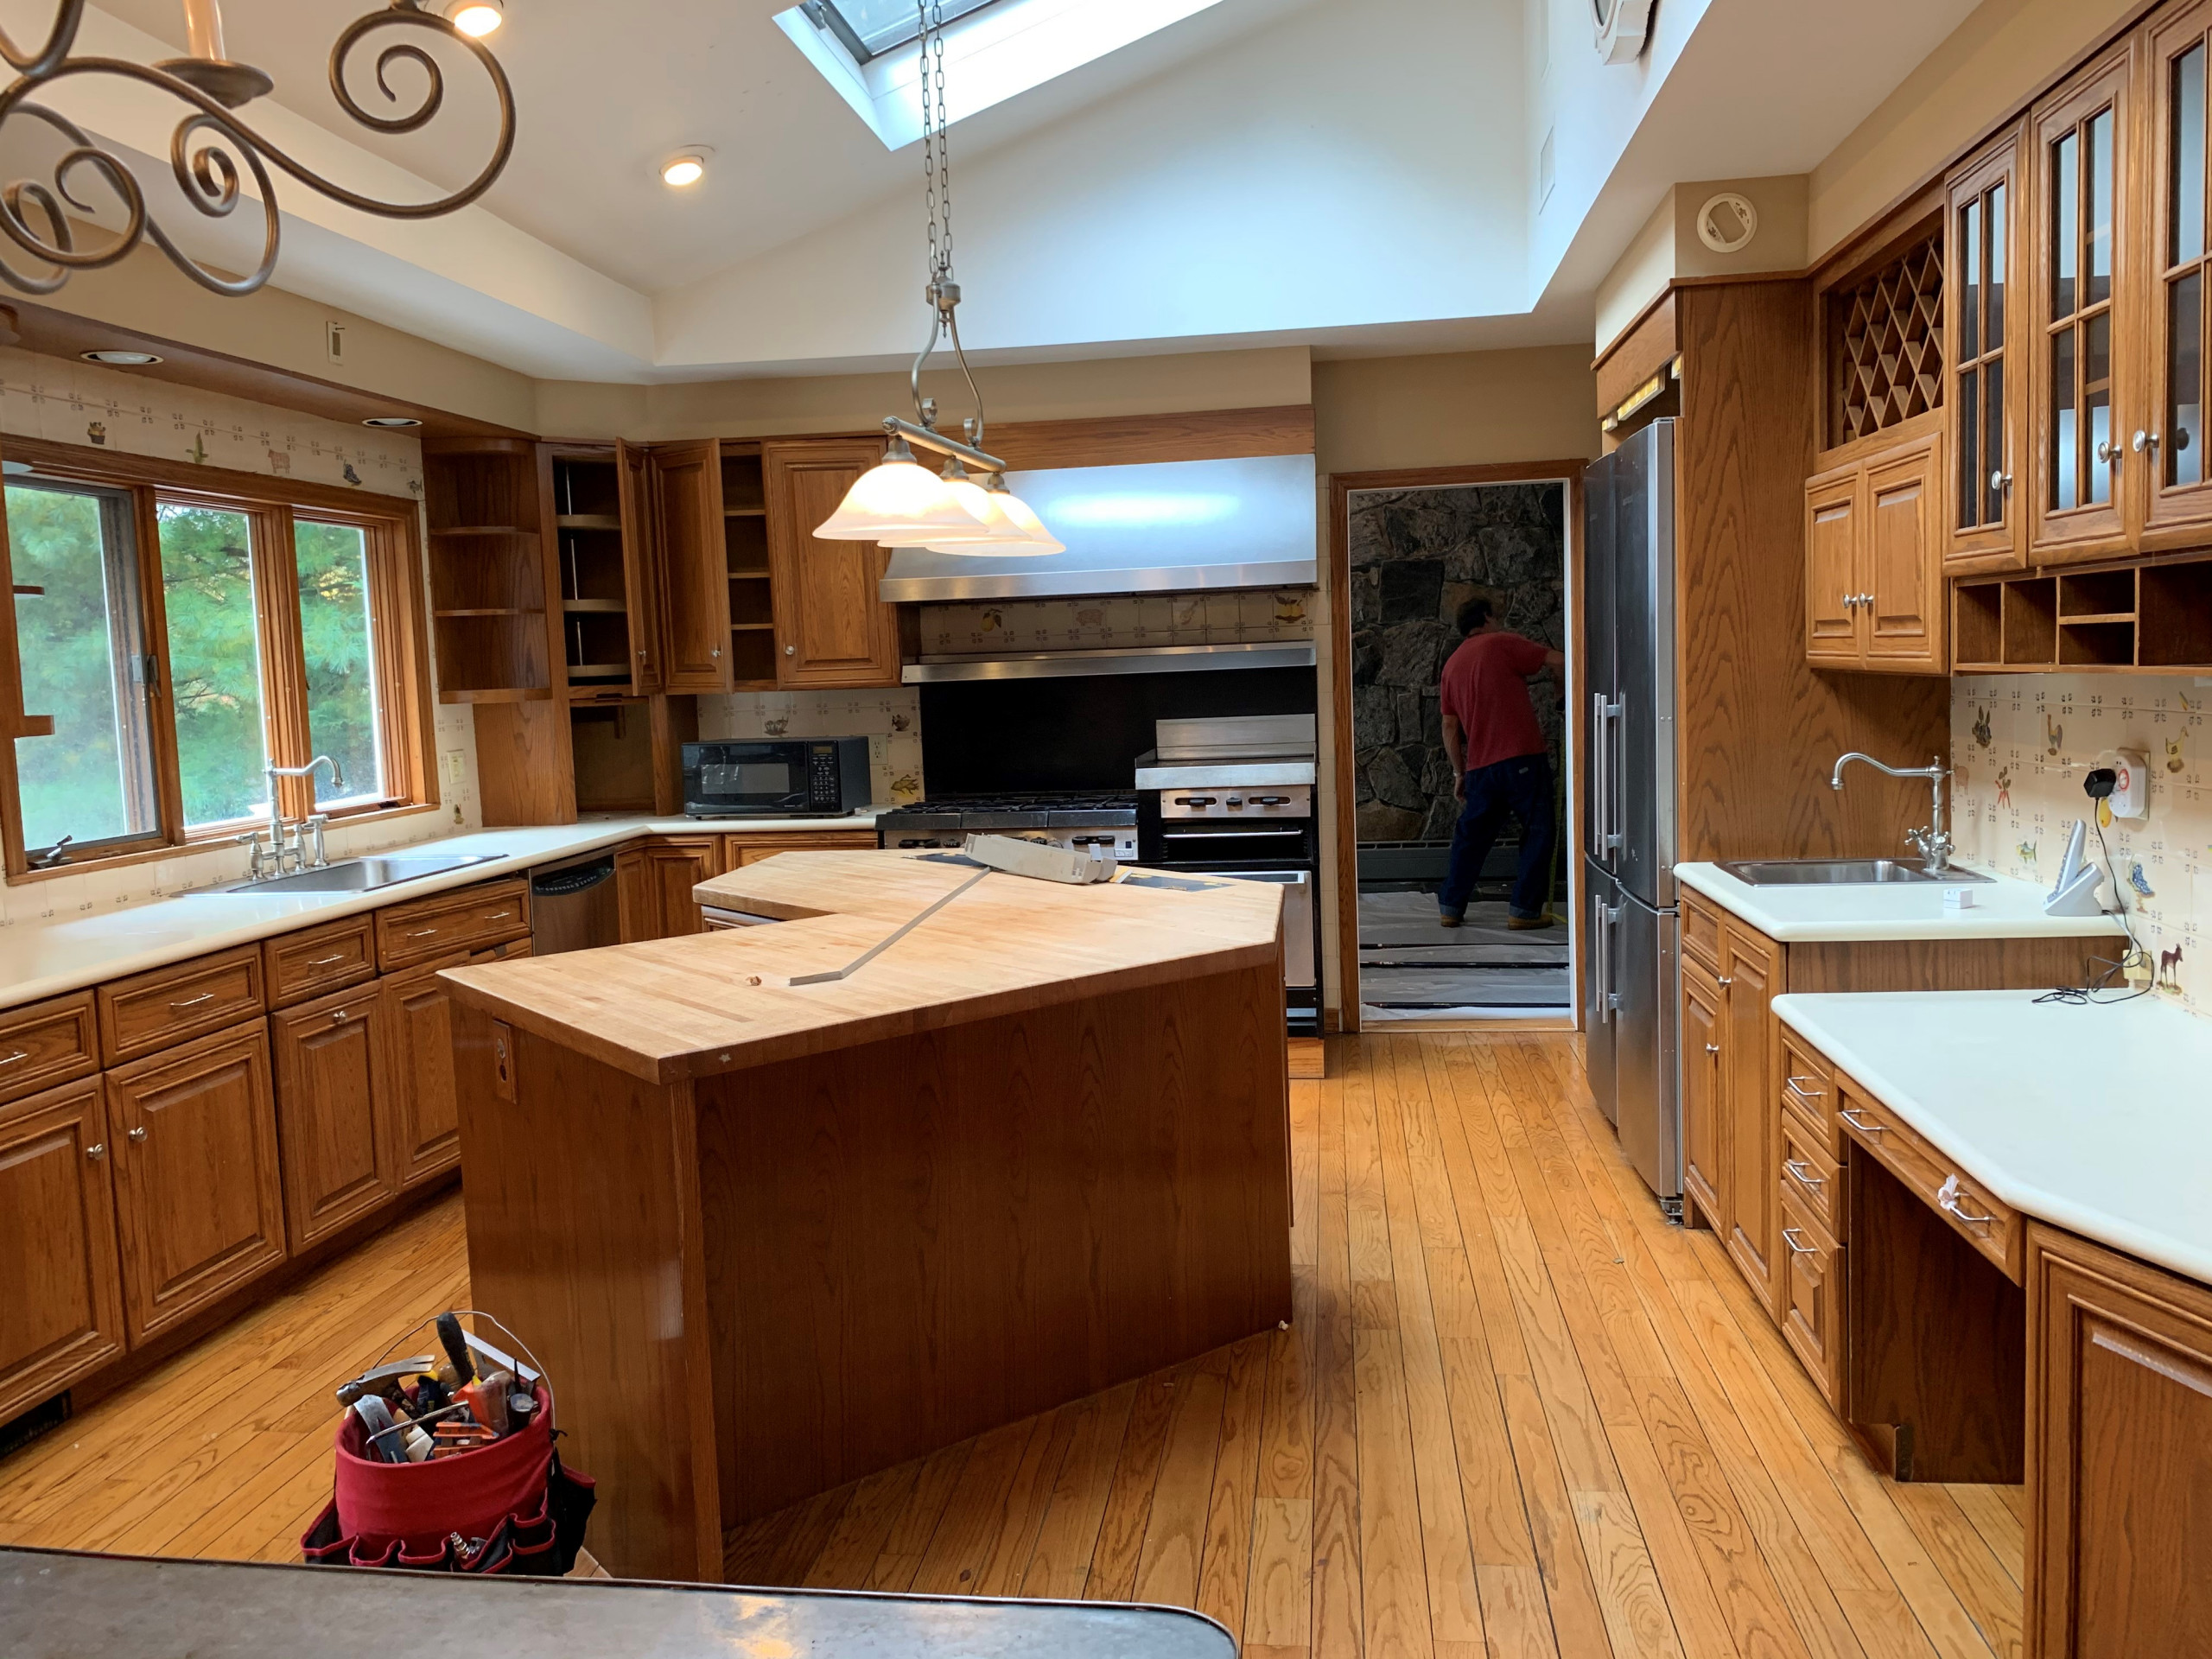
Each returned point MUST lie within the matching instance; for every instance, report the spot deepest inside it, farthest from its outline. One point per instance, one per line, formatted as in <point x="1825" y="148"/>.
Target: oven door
<point x="1252" y="844"/>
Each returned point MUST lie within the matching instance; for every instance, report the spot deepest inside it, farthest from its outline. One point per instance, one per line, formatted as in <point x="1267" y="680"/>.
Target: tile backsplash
<point x="2020" y="745"/>
<point x="1093" y="622"/>
<point x="891" y="719"/>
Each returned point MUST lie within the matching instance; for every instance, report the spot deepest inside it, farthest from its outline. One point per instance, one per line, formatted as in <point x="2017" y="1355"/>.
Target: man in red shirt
<point x="1500" y="762"/>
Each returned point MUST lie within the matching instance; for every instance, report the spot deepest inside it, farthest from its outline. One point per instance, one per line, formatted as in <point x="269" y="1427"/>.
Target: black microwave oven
<point x="776" y="778"/>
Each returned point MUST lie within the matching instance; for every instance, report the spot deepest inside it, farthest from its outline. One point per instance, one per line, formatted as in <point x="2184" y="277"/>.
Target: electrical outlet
<point x="456" y="765"/>
<point x="334" y="341"/>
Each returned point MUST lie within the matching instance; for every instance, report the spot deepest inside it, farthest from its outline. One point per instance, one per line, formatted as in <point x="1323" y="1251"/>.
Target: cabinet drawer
<point x="44" y="1044"/>
<point x="1808" y="1091"/>
<point x="467" y="921"/>
<point x="1701" y="930"/>
<point x="738" y="851"/>
<point x="1811" y="1173"/>
<point x="152" y="1011"/>
<point x="304" y="965"/>
<point x="1812" y="1295"/>
<point x="1991" y="1227"/>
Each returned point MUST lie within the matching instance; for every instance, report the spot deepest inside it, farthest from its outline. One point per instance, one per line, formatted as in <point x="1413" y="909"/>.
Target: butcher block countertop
<point x="721" y="1001"/>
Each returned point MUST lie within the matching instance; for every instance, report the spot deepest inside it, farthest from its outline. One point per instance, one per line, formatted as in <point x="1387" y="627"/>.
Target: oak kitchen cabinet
<point x="1730" y="1126"/>
<point x="336" y="1124"/>
<point x="2119" y="1435"/>
<point x="687" y="492"/>
<point x="1987" y="393"/>
<point x="199" y="1191"/>
<point x="62" y="1313"/>
<point x="830" y="629"/>
<point x="654" y="882"/>
<point x="1874" y="593"/>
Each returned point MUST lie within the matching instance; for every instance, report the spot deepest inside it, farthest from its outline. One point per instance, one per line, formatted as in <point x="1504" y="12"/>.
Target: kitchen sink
<point x="362" y="875"/>
<point x="1841" y="873"/>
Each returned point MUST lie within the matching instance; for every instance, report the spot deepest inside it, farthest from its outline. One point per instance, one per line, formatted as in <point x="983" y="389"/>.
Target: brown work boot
<point x="1445" y="918"/>
<point x="1525" y="924"/>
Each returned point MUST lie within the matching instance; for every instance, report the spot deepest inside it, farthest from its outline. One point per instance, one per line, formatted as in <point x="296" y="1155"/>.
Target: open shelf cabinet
<point x="2141" y="618"/>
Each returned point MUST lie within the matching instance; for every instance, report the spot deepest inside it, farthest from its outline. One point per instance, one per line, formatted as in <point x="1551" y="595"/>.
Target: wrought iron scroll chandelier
<point x="901" y="502"/>
<point x="210" y="142"/>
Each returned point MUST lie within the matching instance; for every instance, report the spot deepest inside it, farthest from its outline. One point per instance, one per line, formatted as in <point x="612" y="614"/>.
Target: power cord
<point x="2091" y="991"/>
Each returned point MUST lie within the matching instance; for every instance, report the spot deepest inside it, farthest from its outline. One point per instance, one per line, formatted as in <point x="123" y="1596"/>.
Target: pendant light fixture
<point x="901" y="502"/>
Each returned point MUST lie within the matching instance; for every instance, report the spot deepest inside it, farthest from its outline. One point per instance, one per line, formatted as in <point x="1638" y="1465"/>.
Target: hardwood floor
<point x="1517" y="1414"/>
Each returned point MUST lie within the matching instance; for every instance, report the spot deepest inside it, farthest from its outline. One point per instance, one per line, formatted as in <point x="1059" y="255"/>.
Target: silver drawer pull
<point x="194" y="1002"/>
<point x="1789" y="1237"/>
<point x="20" y="1054"/>
<point x="1796" y="1086"/>
<point x="136" y="1135"/>
<point x="1802" y="1171"/>
<point x="501" y="917"/>
<point x="338" y="1016"/>
<point x="98" y="1149"/>
<point x="325" y="961"/>
<point x="423" y="933"/>
<point x="1949" y="1196"/>
<point x="1850" y="1115"/>
<point x="1712" y="1048"/>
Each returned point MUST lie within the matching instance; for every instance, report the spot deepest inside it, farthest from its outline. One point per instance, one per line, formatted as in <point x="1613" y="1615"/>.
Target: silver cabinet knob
<point x="1712" y="1048"/>
<point x="137" y="1135"/>
<point x="791" y="651"/>
<point x="98" y="1149"/>
<point x="1724" y="982"/>
<point x="716" y="652"/>
<point x="2000" y="480"/>
<point x="2145" y="440"/>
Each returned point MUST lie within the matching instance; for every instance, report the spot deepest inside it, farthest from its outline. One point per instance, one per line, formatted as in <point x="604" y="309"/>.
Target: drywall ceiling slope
<point x="605" y="92"/>
<point x="1322" y="175"/>
<point x="1755" y="88"/>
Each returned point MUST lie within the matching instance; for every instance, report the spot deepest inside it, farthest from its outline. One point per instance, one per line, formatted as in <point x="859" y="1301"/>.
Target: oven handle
<point x="1219" y="834"/>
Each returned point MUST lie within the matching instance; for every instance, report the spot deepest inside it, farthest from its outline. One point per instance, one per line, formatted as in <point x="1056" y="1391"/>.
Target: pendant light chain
<point x="937" y="139"/>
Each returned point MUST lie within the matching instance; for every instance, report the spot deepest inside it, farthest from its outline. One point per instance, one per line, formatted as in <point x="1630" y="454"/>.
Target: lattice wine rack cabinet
<point x="1886" y="344"/>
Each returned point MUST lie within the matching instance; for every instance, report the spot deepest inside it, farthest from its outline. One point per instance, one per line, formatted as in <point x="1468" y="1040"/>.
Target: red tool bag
<point x="509" y="1507"/>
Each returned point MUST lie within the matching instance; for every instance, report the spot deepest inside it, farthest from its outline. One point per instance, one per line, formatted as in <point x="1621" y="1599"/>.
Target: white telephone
<point x="2076" y="892"/>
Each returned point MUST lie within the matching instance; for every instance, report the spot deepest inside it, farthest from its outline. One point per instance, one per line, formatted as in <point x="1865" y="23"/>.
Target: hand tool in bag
<point x="456" y="1343"/>
<point x="379" y="1379"/>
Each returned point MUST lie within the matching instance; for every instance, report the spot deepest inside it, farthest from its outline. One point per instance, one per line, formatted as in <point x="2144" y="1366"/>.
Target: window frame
<point x="399" y="630"/>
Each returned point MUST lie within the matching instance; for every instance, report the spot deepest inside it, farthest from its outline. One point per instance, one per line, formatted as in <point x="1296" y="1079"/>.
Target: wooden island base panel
<point x="769" y="1239"/>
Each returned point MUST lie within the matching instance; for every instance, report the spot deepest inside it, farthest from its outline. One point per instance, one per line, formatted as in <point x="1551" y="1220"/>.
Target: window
<point x="868" y="29"/>
<point x="183" y="641"/>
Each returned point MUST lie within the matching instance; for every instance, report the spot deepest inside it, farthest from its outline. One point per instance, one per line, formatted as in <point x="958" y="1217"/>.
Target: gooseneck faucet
<point x="1934" y="843"/>
<point x="297" y="850"/>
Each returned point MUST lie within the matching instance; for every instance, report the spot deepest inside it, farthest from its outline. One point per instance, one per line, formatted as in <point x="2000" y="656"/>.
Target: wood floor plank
<point x="864" y="1528"/>
<point x="1022" y="1514"/>
<point x="1999" y="1527"/>
<point x="1225" y="1565"/>
<point x="1113" y="1573"/>
<point x="1570" y="1590"/>
<point x="909" y="1537"/>
<point x="1637" y="1621"/>
<point x="1059" y="1561"/>
<point x="779" y="1551"/>
<point x="1339" y="1622"/>
<point x="1175" y="1528"/>
<point x="1990" y="1595"/>
<point x="975" y="1511"/>
<point x="1393" y="1585"/>
<point x="1279" y="1591"/>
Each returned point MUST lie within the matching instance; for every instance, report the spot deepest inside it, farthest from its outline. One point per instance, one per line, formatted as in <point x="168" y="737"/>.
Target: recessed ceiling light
<point x="685" y="168"/>
<point x="121" y="360"/>
<point x="392" y="420"/>
<point x="477" y="17"/>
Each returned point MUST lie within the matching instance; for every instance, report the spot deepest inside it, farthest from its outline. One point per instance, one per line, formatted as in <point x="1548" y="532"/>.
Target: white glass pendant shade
<point x="899" y="504"/>
<point x="1012" y="529"/>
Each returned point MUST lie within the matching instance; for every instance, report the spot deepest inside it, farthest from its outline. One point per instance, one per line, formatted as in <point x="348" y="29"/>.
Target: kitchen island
<point x="769" y="1237"/>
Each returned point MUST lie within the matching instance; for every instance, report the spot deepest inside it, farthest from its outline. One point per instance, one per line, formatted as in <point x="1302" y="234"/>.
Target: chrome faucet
<point x="303" y="838"/>
<point x="1933" y="843"/>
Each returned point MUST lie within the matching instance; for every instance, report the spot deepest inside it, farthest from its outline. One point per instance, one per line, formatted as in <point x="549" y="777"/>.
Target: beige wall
<point x="1990" y="65"/>
<point x="146" y="293"/>
<point x="1669" y="246"/>
<point x="1457" y="409"/>
<point x="846" y="403"/>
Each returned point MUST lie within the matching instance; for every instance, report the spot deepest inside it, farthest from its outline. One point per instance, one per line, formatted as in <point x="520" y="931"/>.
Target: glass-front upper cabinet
<point x="2082" y="323"/>
<point x="2175" y="478"/>
<point x="1987" y="395"/>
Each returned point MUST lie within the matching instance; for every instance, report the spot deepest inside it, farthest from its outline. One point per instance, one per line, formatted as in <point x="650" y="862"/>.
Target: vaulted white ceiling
<point x="1343" y="172"/>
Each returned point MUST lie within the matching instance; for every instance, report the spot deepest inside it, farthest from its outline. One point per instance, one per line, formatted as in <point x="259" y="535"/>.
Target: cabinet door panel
<point x="425" y="1099"/>
<point x="199" y="1199"/>
<point x="61" y="1314"/>
<point x="673" y="866"/>
<point x="1811" y="1296"/>
<point x="1702" y="1095"/>
<point x="2174" y="482"/>
<point x="830" y="627"/>
<point x="2083" y="324"/>
<point x="2120" y="1415"/>
<point x="333" y="1092"/>
<point x="1753" y="1112"/>
<point x="641" y="567"/>
<point x="687" y="496"/>
<point x="1904" y="626"/>
<point x="1984" y="527"/>
<point x="1832" y="569"/>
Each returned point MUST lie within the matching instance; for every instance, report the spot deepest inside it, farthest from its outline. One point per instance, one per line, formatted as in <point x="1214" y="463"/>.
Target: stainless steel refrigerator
<point x="1629" y="820"/>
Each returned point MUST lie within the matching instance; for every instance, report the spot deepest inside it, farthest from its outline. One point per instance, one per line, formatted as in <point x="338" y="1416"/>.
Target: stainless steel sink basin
<point x="363" y="875"/>
<point x="1841" y="873"/>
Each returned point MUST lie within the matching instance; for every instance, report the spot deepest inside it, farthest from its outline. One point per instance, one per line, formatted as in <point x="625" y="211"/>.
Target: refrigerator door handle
<point x="1609" y="997"/>
<point x="1611" y="837"/>
<point x="1600" y="812"/>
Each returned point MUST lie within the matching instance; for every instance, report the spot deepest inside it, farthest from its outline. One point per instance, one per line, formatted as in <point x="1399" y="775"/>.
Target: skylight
<point x="868" y="29"/>
<point x="994" y="50"/>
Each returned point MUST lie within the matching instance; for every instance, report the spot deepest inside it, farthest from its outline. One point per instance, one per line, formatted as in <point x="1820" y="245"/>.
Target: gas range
<point x="1101" y="824"/>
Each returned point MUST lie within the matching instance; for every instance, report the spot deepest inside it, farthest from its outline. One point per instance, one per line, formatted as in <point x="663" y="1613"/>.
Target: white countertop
<point x="2003" y="908"/>
<point x="46" y="957"/>
<point x="2095" y="1118"/>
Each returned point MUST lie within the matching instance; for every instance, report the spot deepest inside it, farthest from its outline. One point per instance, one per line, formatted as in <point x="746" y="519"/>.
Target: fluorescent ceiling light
<point x="1142" y="512"/>
<point x="998" y="49"/>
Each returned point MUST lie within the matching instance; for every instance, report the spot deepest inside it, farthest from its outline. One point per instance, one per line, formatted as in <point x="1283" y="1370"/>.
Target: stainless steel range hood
<point x="1157" y="527"/>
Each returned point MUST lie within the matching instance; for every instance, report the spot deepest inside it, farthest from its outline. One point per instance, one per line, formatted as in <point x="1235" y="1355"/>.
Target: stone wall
<point x="1416" y="556"/>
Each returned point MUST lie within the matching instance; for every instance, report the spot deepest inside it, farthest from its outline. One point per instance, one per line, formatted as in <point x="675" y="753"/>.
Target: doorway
<point x="1414" y="553"/>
